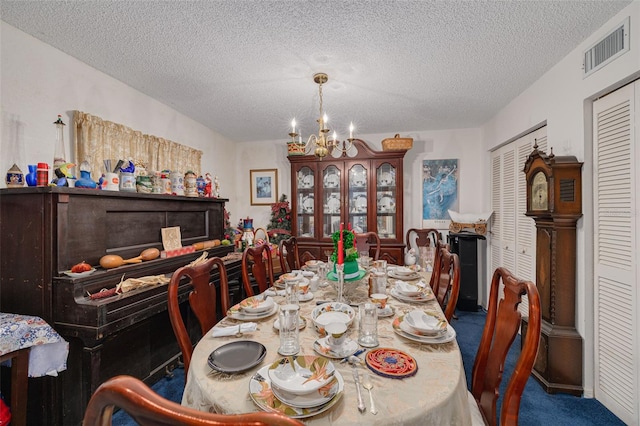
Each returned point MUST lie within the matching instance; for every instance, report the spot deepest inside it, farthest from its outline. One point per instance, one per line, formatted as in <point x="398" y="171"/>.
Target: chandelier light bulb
<point x="323" y="147"/>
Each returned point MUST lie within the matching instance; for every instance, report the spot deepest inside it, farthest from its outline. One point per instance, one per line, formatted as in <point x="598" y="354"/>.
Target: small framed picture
<point x="264" y="186"/>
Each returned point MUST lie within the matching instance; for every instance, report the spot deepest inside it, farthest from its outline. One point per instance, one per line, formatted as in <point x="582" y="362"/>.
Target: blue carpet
<point x="536" y="408"/>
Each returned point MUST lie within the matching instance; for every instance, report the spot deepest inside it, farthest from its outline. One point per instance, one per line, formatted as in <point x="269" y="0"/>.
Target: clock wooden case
<point x="554" y="201"/>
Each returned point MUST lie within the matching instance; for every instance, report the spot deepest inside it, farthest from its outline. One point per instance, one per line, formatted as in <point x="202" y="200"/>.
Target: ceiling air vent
<point x="606" y="49"/>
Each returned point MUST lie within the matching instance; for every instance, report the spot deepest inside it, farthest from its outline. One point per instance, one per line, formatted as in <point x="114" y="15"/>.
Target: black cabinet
<point x="465" y="245"/>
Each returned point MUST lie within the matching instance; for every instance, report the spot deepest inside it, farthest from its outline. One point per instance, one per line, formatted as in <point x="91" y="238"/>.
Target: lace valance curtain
<point x="97" y="140"/>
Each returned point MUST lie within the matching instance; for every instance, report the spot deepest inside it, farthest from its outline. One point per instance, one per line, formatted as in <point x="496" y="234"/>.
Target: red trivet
<point x="389" y="362"/>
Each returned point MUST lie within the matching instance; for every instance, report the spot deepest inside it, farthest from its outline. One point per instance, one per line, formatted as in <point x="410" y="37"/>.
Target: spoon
<point x="369" y="386"/>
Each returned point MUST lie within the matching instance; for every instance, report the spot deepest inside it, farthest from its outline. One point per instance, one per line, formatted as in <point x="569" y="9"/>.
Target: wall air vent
<point x="605" y="50"/>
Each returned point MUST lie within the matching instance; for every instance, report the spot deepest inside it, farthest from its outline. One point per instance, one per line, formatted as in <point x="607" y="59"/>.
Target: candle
<point x="351" y="130"/>
<point x="341" y="246"/>
<point x="293" y="125"/>
<point x="325" y="120"/>
<point x="335" y="136"/>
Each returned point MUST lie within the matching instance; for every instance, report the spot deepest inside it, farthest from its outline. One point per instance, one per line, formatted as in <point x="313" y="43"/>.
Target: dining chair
<point x="500" y="329"/>
<point x="202" y="300"/>
<point x="369" y="241"/>
<point x="289" y="255"/>
<point x="437" y="257"/>
<point x="447" y="282"/>
<point x="427" y="237"/>
<point x="148" y="408"/>
<point x="257" y="267"/>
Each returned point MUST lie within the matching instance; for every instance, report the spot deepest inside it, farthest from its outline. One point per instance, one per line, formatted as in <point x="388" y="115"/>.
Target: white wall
<point x="39" y="82"/>
<point x="463" y="144"/>
<point x="563" y="98"/>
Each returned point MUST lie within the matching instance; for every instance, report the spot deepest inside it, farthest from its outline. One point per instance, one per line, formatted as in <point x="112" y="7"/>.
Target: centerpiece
<point x="345" y="253"/>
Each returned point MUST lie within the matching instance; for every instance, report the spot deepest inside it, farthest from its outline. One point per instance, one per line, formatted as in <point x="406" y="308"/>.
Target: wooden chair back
<point x="502" y="325"/>
<point x="447" y="282"/>
<point x="427" y="237"/>
<point x="202" y="300"/>
<point x="289" y="255"/>
<point x="257" y="266"/>
<point x="148" y="408"/>
<point x="369" y="241"/>
<point x="437" y="259"/>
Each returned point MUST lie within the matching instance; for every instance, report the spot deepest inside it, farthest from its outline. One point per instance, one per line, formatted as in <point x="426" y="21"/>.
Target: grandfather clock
<point x="554" y="201"/>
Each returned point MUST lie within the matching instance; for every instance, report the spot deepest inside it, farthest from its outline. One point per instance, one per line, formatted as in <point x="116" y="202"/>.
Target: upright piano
<point x="45" y="231"/>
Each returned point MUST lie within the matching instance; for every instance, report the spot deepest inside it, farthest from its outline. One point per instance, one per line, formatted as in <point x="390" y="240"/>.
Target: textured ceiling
<point x="244" y="68"/>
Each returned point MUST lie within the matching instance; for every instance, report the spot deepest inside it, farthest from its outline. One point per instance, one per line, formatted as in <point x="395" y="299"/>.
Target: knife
<point x="356" y="378"/>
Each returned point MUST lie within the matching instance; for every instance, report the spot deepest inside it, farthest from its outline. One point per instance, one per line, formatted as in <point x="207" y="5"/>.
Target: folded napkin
<point x="274" y="292"/>
<point x="245" y="327"/>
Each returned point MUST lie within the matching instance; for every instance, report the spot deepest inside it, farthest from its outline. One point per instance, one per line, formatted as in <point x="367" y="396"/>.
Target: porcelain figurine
<point x="410" y="258"/>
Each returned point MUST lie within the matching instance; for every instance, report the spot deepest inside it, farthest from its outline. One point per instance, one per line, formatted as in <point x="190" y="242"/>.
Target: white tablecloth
<point x="436" y="395"/>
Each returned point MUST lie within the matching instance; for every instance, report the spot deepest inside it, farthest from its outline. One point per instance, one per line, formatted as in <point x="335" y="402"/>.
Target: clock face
<point x="539" y="192"/>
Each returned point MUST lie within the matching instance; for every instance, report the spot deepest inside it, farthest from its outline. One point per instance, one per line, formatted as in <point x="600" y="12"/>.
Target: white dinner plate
<point x="449" y="336"/>
<point x="262" y="394"/>
<point x="386" y="179"/>
<point x="301" y="374"/>
<point x="331" y="180"/>
<point x="235" y="313"/>
<point x="307" y="204"/>
<point x="423" y="297"/>
<point x="393" y="274"/>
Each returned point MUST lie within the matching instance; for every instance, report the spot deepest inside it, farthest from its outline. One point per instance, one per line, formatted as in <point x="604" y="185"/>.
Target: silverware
<point x="239" y="332"/>
<point x="356" y="378"/>
<point x="369" y="386"/>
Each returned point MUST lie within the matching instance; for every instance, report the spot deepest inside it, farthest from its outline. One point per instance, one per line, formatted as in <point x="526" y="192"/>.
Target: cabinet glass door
<point x="331" y="202"/>
<point x="358" y="198"/>
<point x="386" y="192"/>
<point x="306" y="206"/>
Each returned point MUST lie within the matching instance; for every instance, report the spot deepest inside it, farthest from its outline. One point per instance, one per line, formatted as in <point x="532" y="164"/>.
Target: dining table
<point x="435" y="394"/>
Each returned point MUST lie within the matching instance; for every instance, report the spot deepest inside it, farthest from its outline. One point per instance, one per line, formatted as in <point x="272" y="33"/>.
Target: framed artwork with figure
<point x="264" y="186"/>
<point x="439" y="192"/>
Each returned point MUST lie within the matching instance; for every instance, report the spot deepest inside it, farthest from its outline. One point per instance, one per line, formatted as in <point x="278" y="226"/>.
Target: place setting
<point x="298" y="386"/>
<point x="424" y="327"/>
<point x="252" y="308"/>
<point x="403" y="273"/>
<point x="407" y="292"/>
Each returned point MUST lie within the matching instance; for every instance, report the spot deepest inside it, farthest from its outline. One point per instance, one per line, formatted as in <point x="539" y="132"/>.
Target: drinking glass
<point x="289" y="333"/>
<point x="291" y="289"/>
<point x="368" y="325"/>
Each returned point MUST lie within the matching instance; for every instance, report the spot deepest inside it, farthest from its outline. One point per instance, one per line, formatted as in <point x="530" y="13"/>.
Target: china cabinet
<point x="364" y="190"/>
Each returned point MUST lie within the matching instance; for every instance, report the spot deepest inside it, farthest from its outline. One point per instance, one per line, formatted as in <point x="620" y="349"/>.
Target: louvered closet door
<point x="502" y="243"/>
<point x="616" y="251"/>
<point x="513" y="233"/>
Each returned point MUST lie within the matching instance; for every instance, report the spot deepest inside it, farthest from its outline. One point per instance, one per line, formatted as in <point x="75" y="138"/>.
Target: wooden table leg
<point x="19" y="381"/>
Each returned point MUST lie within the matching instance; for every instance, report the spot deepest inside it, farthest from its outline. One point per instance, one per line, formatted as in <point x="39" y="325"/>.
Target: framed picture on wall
<point x="439" y="192"/>
<point x="264" y="186"/>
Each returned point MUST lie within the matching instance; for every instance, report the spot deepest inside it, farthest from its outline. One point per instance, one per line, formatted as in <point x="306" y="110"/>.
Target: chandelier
<point x="321" y="144"/>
